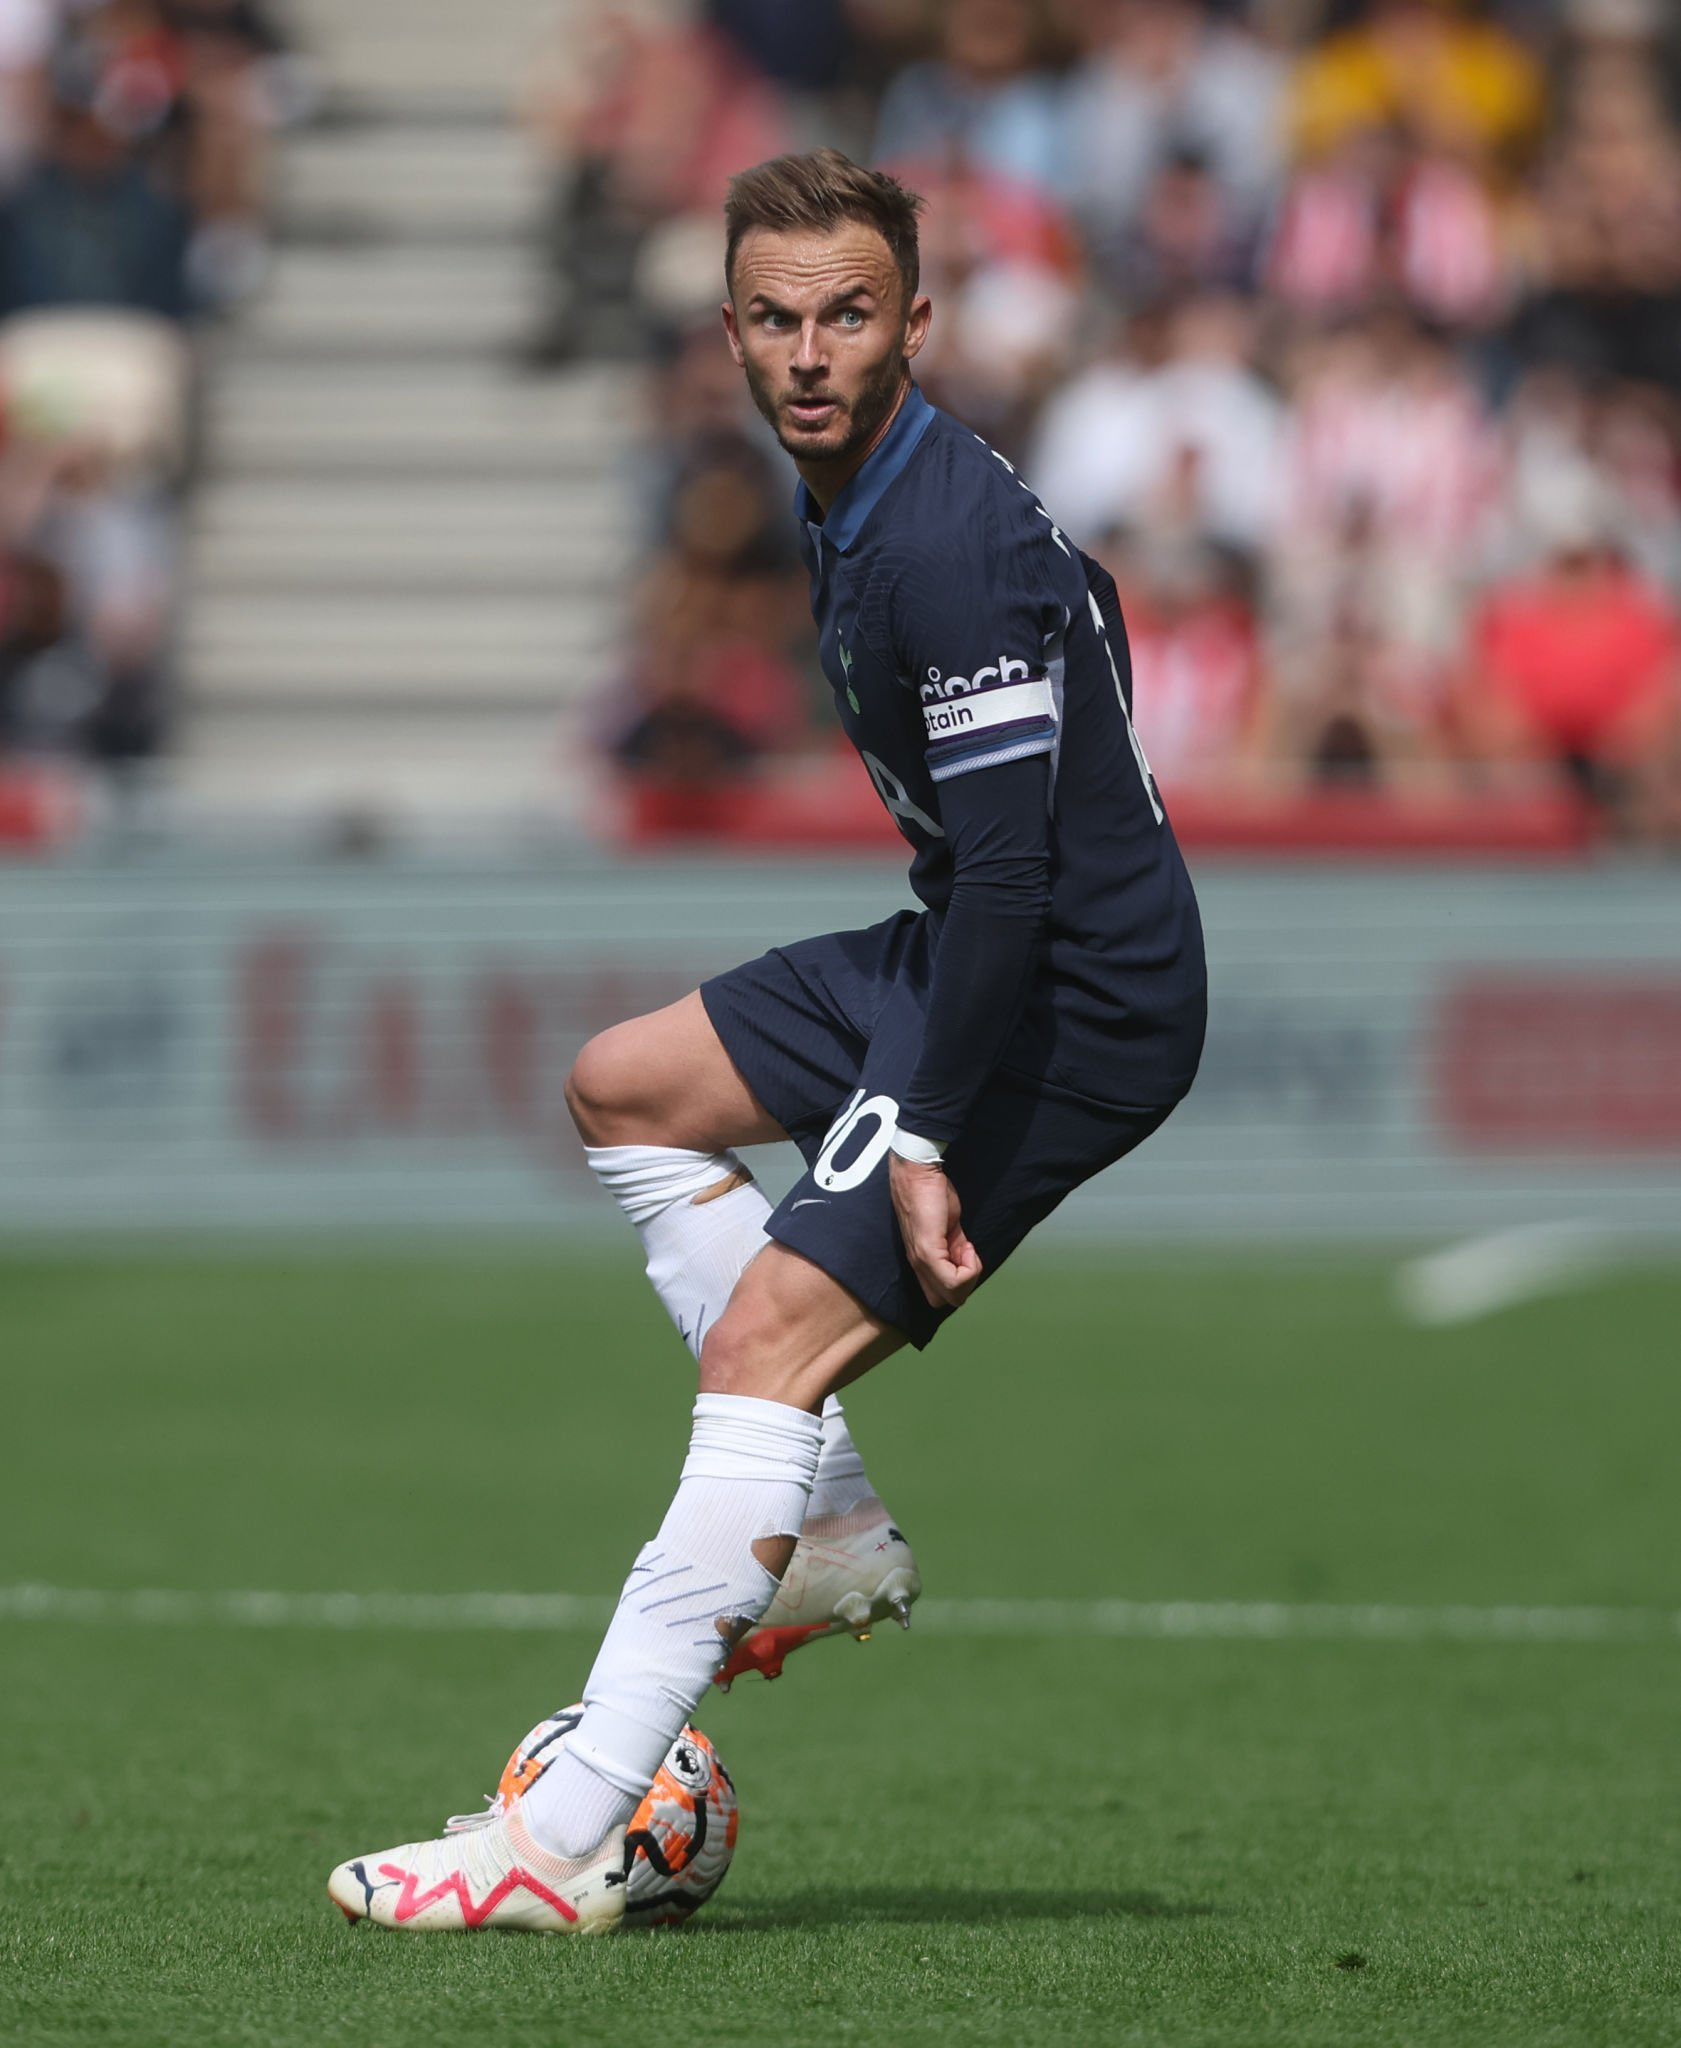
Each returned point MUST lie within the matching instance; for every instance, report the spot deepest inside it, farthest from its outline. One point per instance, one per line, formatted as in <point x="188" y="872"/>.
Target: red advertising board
<point x="1538" y="1061"/>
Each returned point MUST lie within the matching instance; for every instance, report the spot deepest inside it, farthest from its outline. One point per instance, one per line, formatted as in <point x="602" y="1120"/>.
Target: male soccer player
<point x="949" y="1075"/>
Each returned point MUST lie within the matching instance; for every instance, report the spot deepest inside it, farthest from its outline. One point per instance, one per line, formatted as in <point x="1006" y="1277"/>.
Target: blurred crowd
<point x="134" y="137"/>
<point x="1347" y="335"/>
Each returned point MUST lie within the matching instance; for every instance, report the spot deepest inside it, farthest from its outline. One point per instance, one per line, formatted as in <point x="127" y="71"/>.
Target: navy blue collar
<point x="862" y="491"/>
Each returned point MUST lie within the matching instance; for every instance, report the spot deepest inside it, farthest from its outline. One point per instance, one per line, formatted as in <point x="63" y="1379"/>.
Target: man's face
<point x="817" y="321"/>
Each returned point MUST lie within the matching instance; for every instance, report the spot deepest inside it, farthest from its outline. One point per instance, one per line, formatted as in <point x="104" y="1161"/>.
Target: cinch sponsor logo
<point x="938" y="687"/>
<point x="942" y="718"/>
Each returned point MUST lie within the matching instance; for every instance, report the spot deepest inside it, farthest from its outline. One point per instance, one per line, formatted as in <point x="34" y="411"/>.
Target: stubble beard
<point x="862" y="415"/>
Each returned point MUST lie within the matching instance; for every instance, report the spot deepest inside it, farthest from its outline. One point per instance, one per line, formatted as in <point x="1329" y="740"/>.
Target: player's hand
<point x="946" y="1264"/>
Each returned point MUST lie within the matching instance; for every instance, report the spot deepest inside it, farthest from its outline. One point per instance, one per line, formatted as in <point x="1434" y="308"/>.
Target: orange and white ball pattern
<point x="681" y="1838"/>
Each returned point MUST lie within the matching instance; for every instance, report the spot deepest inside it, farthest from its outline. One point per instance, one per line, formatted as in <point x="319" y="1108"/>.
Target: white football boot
<point x="847" y="1573"/>
<point x="489" y="1873"/>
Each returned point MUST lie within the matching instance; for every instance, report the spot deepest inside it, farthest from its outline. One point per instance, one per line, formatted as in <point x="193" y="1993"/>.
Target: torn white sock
<point x="697" y="1249"/>
<point x="697" y="1244"/>
<point x="690" y="1596"/>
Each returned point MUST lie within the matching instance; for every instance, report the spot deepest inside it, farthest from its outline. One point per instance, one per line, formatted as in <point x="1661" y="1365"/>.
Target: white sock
<point x="697" y="1251"/>
<point x="748" y="1475"/>
<point x="841" y="1480"/>
<point x="570" y="1808"/>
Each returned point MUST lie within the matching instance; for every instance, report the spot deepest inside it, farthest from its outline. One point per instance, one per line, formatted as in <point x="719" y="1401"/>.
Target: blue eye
<point x="852" y="313"/>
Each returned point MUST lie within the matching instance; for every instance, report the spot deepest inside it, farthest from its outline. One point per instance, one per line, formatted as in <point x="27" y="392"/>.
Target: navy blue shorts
<point x="827" y="1034"/>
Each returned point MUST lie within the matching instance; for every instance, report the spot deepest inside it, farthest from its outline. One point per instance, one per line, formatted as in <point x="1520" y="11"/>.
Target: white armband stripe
<point x="1020" y="749"/>
<point x="950" y="718"/>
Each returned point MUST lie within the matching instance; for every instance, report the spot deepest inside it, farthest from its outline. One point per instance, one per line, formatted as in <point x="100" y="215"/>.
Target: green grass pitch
<point x="945" y="1837"/>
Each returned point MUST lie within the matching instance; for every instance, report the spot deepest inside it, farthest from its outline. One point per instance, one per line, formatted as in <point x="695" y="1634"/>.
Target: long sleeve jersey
<point x="980" y="668"/>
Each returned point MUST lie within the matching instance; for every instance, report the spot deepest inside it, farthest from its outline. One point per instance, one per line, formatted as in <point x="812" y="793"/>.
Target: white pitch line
<point x="159" y="1606"/>
<point x="1208" y="1620"/>
<point x="1505" y="1269"/>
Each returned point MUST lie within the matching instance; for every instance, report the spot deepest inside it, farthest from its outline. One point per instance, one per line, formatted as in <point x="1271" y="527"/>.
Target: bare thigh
<point x="792" y="1334"/>
<point x="665" y="1079"/>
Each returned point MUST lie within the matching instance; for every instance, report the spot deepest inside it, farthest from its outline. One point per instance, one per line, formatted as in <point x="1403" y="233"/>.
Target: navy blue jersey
<point x="979" y="665"/>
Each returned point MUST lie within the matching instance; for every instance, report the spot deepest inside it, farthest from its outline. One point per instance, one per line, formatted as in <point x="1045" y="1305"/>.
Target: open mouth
<point x="812" y="412"/>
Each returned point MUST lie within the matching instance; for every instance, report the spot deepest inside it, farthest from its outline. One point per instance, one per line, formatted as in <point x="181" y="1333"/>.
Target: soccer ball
<point x="680" y="1839"/>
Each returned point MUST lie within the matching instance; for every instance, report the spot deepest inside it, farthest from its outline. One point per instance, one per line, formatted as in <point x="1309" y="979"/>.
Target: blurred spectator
<point x="725" y="512"/>
<point x="716" y="671"/>
<point x="49" y="678"/>
<point x="645" y="121"/>
<point x="1359" y="702"/>
<point x="1390" y="474"/>
<point x="100" y="376"/>
<point x="93" y="288"/>
<point x="1376" y="219"/>
<point x="236" y="87"/>
<point x="1636" y="440"/>
<point x="113" y="541"/>
<point x="90" y="225"/>
<point x="1162" y="81"/>
<point x="1197" y="695"/>
<point x="808" y="49"/>
<point x="1188" y="237"/>
<point x="190" y="90"/>
<point x="94" y="554"/>
<point x="711" y="685"/>
<point x="1001" y="260"/>
<point x="678" y="735"/>
<point x="696" y="401"/>
<point x="132" y="201"/>
<point x="1578" y="664"/>
<point x="26" y="46"/>
<point x="1176" y="426"/>
<point x="1610" y="302"/>
<point x="984" y="100"/>
<point x="1437" y="70"/>
<point x="1623" y="439"/>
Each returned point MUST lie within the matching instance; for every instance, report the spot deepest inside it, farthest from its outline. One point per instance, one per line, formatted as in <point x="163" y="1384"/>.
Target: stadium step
<point x="334" y="417"/>
<point x="405" y="558"/>
<point x="424" y="181"/>
<point x="416" y="644"/>
<point x="427" y="53"/>
<point x="391" y="300"/>
<point x="267" y="534"/>
<point x="454" y="763"/>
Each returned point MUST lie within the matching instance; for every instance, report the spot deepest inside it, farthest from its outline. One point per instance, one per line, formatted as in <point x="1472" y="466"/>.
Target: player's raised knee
<point x="607" y="1089"/>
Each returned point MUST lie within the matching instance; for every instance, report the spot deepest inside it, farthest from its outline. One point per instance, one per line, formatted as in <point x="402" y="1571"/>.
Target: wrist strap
<point x="920" y="1151"/>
